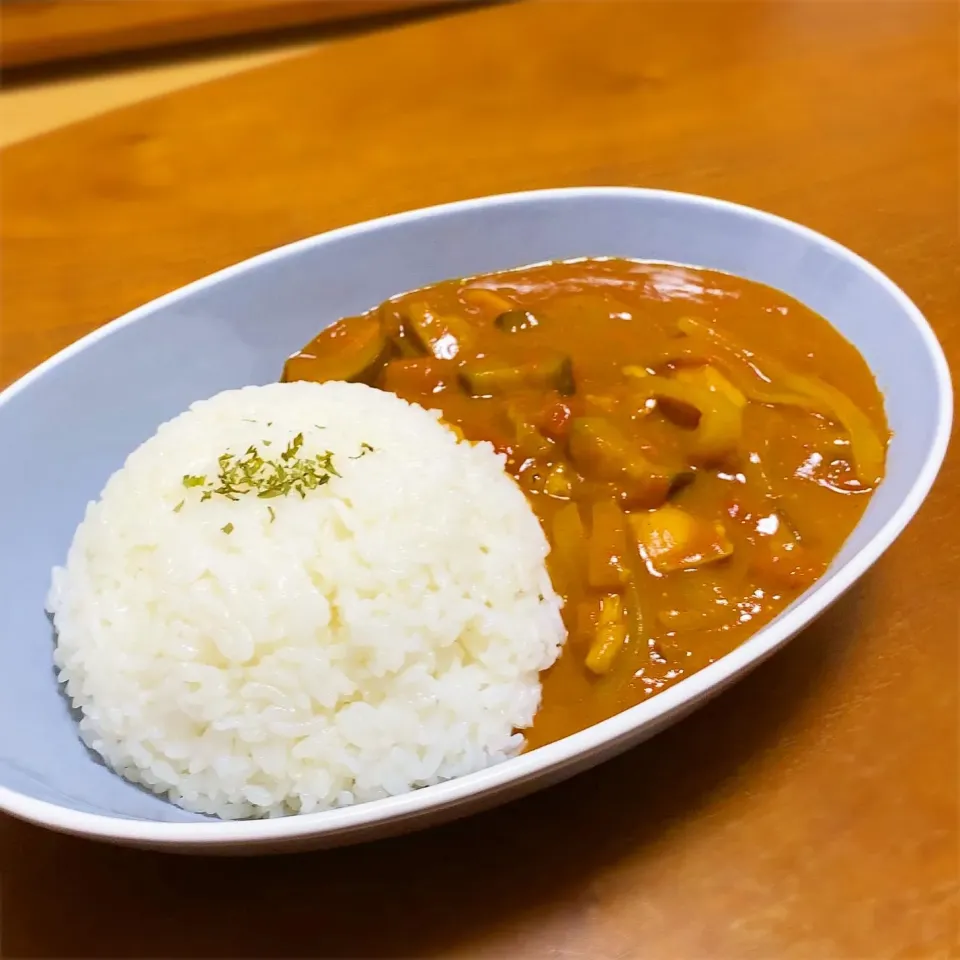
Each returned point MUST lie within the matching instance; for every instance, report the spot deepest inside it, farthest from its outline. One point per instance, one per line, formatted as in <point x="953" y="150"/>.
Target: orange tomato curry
<point x="696" y="446"/>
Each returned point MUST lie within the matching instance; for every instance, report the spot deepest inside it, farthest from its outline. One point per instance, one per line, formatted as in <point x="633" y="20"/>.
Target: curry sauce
<point x="696" y="446"/>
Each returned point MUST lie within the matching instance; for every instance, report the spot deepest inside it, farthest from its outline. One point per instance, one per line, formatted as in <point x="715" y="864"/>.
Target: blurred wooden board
<point x="29" y="109"/>
<point x="42" y="31"/>
<point x="809" y="812"/>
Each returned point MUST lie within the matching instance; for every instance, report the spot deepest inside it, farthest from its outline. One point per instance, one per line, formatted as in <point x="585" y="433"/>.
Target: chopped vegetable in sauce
<point x="672" y="539"/>
<point x="696" y="446"/>
<point x="491" y="377"/>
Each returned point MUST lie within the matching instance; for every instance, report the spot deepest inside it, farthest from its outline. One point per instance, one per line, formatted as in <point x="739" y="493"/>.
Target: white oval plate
<point x="67" y="425"/>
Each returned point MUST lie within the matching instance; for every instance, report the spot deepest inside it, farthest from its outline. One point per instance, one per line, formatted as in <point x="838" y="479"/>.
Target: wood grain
<point x="811" y="811"/>
<point x="41" y="31"/>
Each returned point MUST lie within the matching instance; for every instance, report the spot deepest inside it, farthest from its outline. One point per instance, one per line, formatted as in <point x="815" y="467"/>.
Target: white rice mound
<point x="383" y="633"/>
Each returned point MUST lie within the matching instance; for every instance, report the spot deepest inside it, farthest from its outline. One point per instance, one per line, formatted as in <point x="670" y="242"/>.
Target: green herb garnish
<point x="254" y="473"/>
<point x="227" y="528"/>
<point x="273" y="516"/>
<point x="179" y="506"/>
<point x="365" y="448"/>
<point x="295" y="444"/>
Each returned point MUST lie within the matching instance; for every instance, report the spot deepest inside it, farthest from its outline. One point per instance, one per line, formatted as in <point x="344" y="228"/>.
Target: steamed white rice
<point x="382" y="633"/>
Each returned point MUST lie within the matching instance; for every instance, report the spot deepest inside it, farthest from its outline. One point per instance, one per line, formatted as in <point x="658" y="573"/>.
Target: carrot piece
<point x="555" y="419"/>
<point x="607" y="547"/>
<point x="586" y="620"/>
<point x="566" y="558"/>
<point x="780" y="554"/>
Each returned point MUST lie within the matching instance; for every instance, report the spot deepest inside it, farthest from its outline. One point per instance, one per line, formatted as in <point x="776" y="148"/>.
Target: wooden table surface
<point x="811" y="811"/>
